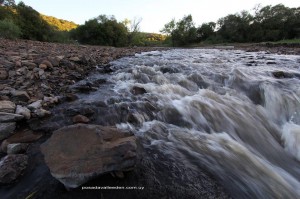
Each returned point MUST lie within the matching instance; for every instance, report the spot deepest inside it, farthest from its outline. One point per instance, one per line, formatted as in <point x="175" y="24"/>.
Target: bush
<point x="9" y="30"/>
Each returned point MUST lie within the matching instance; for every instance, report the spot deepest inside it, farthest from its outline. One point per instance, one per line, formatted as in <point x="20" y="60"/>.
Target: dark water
<point x="233" y="114"/>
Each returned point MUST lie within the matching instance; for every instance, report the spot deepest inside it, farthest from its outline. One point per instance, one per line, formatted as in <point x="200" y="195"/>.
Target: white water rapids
<point x="221" y="110"/>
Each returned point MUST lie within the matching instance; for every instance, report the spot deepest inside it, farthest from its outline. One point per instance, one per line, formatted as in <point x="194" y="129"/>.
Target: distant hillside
<point x="60" y="24"/>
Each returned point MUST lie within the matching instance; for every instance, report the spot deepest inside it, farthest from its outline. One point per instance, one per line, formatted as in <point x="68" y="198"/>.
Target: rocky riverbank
<point x="35" y="77"/>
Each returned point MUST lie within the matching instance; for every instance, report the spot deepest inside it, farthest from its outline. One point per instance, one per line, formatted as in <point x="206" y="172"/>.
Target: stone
<point x="78" y="153"/>
<point x="18" y="64"/>
<point x="21" y="96"/>
<point x="6" y="130"/>
<point x="138" y="90"/>
<point x="35" y="105"/>
<point x="80" y="119"/>
<point x="3" y="74"/>
<point x="23" y="111"/>
<point x="17" y="148"/>
<point x="7" y="106"/>
<point x="43" y="66"/>
<point x="40" y="113"/>
<point x="51" y="100"/>
<point x="12" y="167"/>
<point x="10" y="117"/>
<point x="41" y="72"/>
<point x="47" y="63"/>
<point x="71" y="97"/>
<point x="74" y="59"/>
<point x="25" y="136"/>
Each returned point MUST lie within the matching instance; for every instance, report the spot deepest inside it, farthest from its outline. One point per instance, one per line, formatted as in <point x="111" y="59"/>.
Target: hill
<point x="60" y="24"/>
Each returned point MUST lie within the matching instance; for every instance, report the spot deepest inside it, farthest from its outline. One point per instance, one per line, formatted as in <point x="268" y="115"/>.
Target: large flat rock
<point x="78" y="153"/>
<point x="7" y="106"/>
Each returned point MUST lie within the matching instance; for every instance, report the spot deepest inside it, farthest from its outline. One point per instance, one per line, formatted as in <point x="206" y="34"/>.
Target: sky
<point x="154" y="13"/>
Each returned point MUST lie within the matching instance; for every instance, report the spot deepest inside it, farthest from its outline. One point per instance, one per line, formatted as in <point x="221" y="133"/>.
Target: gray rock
<point x="23" y="111"/>
<point x="11" y="167"/>
<point x="17" y="148"/>
<point x="10" y="117"/>
<point x="35" y="105"/>
<point x="42" y="113"/>
<point x="20" y="96"/>
<point x="78" y="153"/>
<point x="6" y="130"/>
<point x="7" y="106"/>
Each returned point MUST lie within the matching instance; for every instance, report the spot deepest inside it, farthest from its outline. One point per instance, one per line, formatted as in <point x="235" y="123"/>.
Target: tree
<point x="183" y="32"/>
<point x="206" y="30"/>
<point x="102" y="30"/>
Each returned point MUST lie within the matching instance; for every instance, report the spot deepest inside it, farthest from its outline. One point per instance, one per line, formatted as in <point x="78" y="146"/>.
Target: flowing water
<point x="235" y="114"/>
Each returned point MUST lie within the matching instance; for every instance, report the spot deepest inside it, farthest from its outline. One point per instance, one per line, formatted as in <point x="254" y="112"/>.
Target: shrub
<point x="9" y="30"/>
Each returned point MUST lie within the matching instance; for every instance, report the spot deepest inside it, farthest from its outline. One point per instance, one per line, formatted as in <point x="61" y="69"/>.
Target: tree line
<point x="269" y="23"/>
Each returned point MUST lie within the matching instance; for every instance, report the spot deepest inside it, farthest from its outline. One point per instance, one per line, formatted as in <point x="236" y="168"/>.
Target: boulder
<point x="11" y="167"/>
<point x="6" y="129"/>
<point x="78" y="153"/>
<point x="7" y="106"/>
<point x="10" y="117"/>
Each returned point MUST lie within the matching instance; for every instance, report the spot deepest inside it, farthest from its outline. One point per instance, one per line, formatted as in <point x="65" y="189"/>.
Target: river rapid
<point x="232" y="113"/>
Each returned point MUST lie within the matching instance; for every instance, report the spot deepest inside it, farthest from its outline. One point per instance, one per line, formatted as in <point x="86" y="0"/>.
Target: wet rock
<point x="50" y="100"/>
<point x="11" y="167"/>
<point x="23" y="111"/>
<point x="43" y="66"/>
<point x="17" y="148"/>
<point x="71" y="97"/>
<point x="3" y="74"/>
<point x="80" y="119"/>
<point x="281" y="74"/>
<point x="78" y="153"/>
<point x="47" y="63"/>
<point x="6" y="129"/>
<point x="7" y="106"/>
<point x="10" y="117"/>
<point x="21" y="96"/>
<point x="138" y="90"/>
<point x="25" y="136"/>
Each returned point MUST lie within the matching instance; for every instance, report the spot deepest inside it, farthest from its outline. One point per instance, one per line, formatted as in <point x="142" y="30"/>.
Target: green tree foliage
<point x="32" y="25"/>
<point x="9" y="30"/>
<point x="183" y="32"/>
<point x="206" y="30"/>
<point x="59" y="24"/>
<point x="102" y="30"/>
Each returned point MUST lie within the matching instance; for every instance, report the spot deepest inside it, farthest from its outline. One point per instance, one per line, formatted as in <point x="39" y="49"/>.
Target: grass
<point x="288" y="41"/>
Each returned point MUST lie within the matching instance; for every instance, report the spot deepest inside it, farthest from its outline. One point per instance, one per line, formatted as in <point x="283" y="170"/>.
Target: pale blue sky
<point x="154" y="13"/>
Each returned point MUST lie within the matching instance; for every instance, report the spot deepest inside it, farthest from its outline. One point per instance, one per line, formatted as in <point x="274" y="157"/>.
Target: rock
<point x="51" y="100"/>
<point x="35" y="105"/>
<point x="7" y="106"/>
<point x="71" y="97"/>
<point x="40" y="113"/>
<point x="11" y="167"/>
<point x="25" y="136"/>
<point x="78" y="153"/>
<point x="29" y="64"/>
<point x="23" y="111"/>
<point x="74" y="59"/>
<point x="10" y="117"/>
<point x="3" y="74"/>
<point x="43" y="66"/>
<point x="138" y="90"/>
<point x="41" y="72"/>
<point x="6" y="129"/>
<point x="47" y="64"/>
<point x="21" y="96"/>
<point x="17" y="148"/>
<point x="80" y="119"/>
<point x="18" y="64"/>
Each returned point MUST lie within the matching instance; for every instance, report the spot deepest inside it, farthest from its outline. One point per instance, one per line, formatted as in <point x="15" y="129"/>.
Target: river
<point x="232" y="113"/>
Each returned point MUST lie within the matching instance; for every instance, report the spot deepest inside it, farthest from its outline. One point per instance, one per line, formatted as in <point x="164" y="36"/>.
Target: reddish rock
<point x="80" y="119"/>
<point x="78" y="153"/>
<point x="3" y="74"/>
